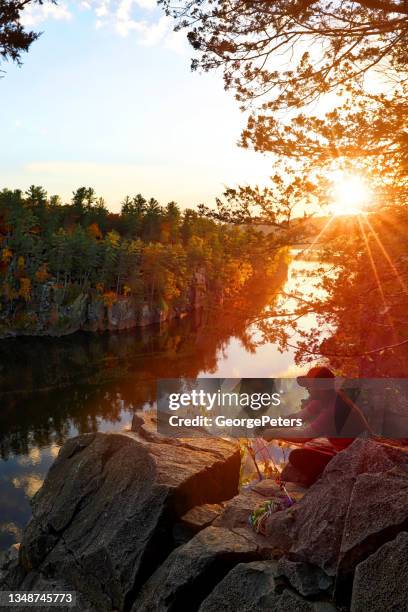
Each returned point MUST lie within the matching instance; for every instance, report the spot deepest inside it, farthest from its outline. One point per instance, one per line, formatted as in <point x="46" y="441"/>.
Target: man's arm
<point x="309" y="431"/>
<point x="283" y="433"/>
<point x="310" y="410"/>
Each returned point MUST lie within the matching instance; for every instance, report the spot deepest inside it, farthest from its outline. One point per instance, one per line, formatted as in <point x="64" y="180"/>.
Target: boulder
<point x="13" y="552"/>
<point x="319" y="528"/>
<point x="306" y="579"/>
<point x="191" y="571"/>
<point x="4" y="560"/>
<point x="200" y="517"/>
<point x="8" y="563"/>
<point x="291" y="474"/>
<point x="146" y="424"/>
<point x="238" y="509"/>
<point x="103" y="519"/>
<point x="104" y="522"/>
<point x="380" y="581"/>
<point x="37" y="583"/>
<point x="256" y="587"/>
<point x="377" y="511"/>
<point x="195" y="520"/>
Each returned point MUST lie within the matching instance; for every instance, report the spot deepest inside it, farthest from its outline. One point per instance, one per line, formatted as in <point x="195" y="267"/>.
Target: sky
<point x="105" y="98"/>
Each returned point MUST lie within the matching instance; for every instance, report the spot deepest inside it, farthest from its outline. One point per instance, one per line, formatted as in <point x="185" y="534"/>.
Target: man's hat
<point x="316" y="372"/>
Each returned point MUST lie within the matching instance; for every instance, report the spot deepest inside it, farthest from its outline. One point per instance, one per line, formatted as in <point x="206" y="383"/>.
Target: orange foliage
<point x="237" y="274"/>
<point x="109" y="298"/>
<point x="6" y="255"/>
<point x="95" y="231"/>
<point x="25" y="288"/>
<point x="170" y="289"/>
<point x="42" y="273"/>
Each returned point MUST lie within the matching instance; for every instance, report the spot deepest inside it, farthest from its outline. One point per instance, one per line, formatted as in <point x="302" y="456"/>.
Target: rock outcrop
<point x="307" y="579"/>
<point x="103" y="519"/>
<point x="359" y="503"/>
<point x="88" y="311"/>
<point x="193" y="570"/>
<point x="256" y="587"/>
<point x="195" y="520"/>
<point x="104" y="524"/>
<point x="380" y="581"/>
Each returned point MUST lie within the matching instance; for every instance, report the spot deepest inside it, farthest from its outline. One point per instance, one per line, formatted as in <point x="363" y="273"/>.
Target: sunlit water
<point x="53" y="389"/>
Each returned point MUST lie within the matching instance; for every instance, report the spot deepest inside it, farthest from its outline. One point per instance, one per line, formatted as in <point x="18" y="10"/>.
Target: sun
<point x="349" y="195"/>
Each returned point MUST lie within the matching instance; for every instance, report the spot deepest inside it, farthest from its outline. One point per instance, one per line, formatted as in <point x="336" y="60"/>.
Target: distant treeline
<point x="149" y="252"/>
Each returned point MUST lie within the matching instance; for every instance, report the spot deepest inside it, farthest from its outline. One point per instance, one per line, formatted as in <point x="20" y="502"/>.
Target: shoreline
<point x="93" y="316"/>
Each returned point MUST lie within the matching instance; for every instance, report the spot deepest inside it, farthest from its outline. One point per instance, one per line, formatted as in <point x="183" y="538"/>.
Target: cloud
<point x="34" y="14"/>
<point x="30" y="483"/>
<point x="33" y="457"/>
<point x="12" y="528"/>
<point x="155" y="33"/>
<point x="125" y="17"/>
<point x="102" y="10"/>
<point x="147" y="4"/>
<point x="177" y="42"/>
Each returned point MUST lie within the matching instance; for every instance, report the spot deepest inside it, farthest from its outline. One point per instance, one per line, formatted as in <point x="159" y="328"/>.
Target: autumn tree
<point x="52" y="254"/>
<point x="273" y="206"/>
<point x="325" y="87"/>
<point x="293" y="51"/>
<point x="282" y="58"/>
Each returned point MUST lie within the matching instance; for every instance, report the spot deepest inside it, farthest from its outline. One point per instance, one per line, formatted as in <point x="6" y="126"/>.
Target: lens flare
<point x="350" y="194"/>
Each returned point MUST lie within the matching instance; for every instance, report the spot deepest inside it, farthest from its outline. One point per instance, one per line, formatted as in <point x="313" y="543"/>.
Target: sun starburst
<point x="350" y="194"/>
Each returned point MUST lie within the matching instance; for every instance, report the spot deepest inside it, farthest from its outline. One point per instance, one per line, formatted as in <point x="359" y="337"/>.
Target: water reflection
<point x="56" y="388"/>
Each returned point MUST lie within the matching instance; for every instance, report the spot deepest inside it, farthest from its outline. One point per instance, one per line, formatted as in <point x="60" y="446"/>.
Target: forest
<point x="53" y="253"/>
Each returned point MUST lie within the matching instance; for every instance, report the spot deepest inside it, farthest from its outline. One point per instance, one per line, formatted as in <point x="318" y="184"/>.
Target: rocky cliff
<point x="89" y="311"/>
<point x="141" y="523"/>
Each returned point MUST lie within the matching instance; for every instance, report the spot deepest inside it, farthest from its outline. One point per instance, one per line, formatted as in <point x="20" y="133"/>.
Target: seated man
<point x="327" y="413"/>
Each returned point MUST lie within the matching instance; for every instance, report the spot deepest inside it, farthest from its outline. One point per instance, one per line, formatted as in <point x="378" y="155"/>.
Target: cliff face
<point x="46" y="314"/>
<point x="90" y="312"/>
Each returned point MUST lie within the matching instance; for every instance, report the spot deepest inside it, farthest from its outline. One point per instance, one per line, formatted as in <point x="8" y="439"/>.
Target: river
<point x="55" y="388"/>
